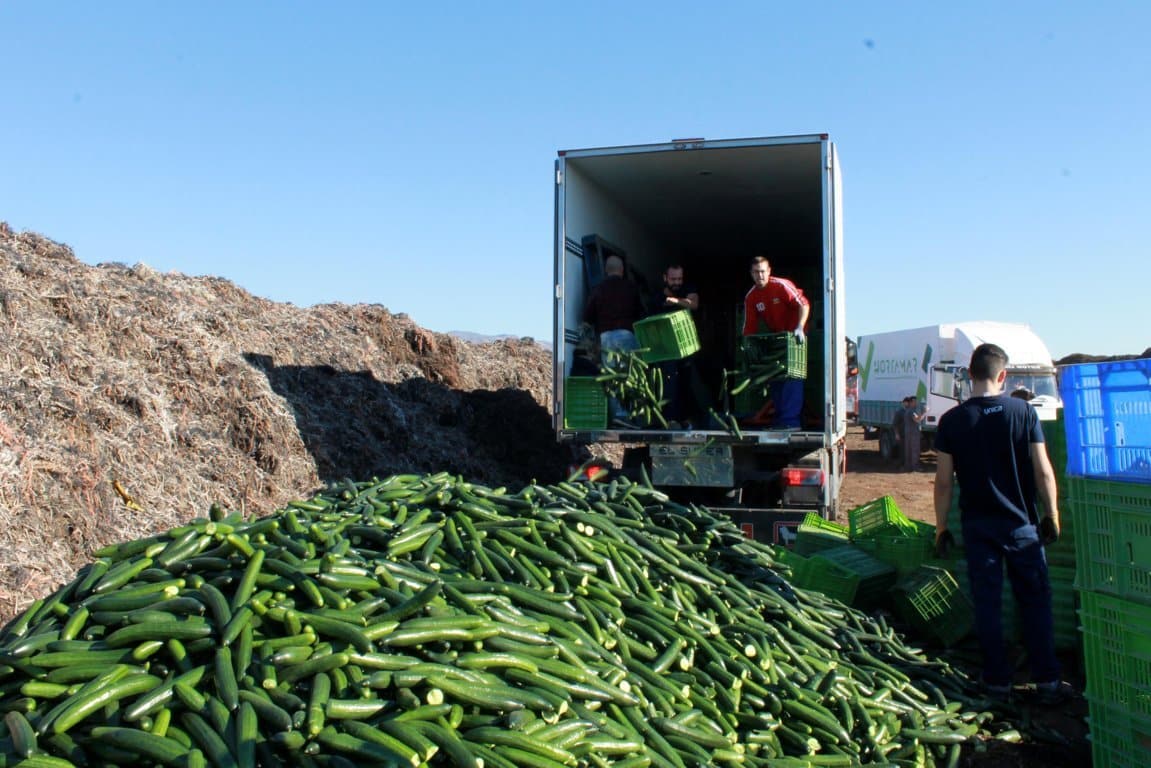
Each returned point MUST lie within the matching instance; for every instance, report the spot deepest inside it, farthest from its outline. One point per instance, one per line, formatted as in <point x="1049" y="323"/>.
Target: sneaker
<point x="1054" y="694"/>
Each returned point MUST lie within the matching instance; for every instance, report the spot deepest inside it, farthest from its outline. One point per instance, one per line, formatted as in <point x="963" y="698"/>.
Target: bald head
<point x="613" y="265"/>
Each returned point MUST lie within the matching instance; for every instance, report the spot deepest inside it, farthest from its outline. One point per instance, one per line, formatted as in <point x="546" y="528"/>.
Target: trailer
<point x="930" y="363"/>
<point x="710" y="206"/>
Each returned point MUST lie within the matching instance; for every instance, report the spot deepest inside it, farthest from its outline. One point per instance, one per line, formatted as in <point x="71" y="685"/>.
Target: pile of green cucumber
<point x="637" y="385"/>
<point x="425" y="620"/>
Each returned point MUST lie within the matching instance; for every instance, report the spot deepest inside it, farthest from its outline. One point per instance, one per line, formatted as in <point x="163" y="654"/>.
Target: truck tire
<point x="887" y="444"/>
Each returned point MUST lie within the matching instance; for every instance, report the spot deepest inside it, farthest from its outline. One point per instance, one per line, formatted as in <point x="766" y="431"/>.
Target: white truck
<point x="711" y="206"/>
<point x="931" y="364"/>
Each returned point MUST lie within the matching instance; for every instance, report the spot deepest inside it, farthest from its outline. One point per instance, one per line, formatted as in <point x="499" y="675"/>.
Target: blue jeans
<point x="989" y="547"/>
<point x="621" y="340"/>
<point x="787" y="394"/>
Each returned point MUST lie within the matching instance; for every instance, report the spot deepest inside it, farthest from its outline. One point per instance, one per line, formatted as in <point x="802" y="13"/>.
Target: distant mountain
<point x="480" y="338"/>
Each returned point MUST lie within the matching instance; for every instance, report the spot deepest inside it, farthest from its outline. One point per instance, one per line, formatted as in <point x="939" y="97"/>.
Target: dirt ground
<point x="870" y="476"/>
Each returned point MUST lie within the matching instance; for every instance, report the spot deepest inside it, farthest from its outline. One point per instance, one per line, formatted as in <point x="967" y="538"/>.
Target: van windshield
<point x="1036" y="382"/>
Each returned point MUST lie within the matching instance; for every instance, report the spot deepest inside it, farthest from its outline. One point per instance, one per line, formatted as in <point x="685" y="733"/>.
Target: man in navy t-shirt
<point x="993" y="445"/>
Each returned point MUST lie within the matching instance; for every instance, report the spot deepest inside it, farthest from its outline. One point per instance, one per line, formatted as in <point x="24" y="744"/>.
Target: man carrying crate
<point x="782" y="307"/>
<point x="687" y="398"/>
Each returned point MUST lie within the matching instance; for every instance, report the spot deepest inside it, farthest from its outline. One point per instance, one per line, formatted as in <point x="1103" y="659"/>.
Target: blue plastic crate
<point x="1107" y="418"/>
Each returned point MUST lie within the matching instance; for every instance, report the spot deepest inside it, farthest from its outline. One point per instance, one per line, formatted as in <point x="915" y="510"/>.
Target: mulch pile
<point x="131" y="400"/>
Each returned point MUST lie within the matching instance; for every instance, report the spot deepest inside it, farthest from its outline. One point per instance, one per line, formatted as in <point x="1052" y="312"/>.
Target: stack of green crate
<point x="1117" y="655"/>
<point x="850" y="575"/>
<point x="1114" y="580"/>
<point x="930" y="600"/>
<point x="1108" y="439"/>
<point x="879" y="528"/>
<point x="585" y="403"/>
<point x="815" y="534"/>
<point x="772" y="356"/>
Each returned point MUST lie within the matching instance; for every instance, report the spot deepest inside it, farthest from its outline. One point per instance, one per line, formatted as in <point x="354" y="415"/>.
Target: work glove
<point x="800" y="337"/>
<point x="1048" y="531"/>
<point x="944" y="542"/>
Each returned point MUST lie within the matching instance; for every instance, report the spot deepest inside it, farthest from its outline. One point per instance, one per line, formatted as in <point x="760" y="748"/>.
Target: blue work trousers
<point x="787" y="395"/>
<point x="989" y="547"/>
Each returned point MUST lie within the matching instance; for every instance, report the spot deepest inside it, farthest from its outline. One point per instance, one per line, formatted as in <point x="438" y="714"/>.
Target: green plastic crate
<point x="774" y="356"/>
<point x="904" y="552"/>
<point x="848" y="570"/>
<point x="815" y="534"/>
<point x="797" y="564"/>
<point x="585" y="403"/>
<point x="832" y="579"/>
<point x="930" y="600"/>
<point x="1055" y="435"/>
<point x="1112" y="520"/>
<point x="880" y="517"/>
<point x="1119" y="738"/>
<point x="668" y="336"/>
<point x="1117" y="651"/>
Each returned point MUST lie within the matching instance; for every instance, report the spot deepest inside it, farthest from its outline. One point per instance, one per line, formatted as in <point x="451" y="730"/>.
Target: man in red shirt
<point x="783" y="308"/>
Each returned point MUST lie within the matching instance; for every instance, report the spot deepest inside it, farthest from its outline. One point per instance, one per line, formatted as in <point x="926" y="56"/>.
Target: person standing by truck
<point x="782" y="307"/>
<point x="612" y="309"/>
<point x="913" y="415"/>
<point x="993" y="445"/>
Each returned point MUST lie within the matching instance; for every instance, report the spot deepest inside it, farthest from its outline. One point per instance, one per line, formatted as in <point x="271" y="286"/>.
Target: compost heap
<point x="425" y="619"/>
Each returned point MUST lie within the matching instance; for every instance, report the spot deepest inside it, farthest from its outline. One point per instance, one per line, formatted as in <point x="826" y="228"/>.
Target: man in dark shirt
<point x="612" y="309"/>
<point x="676" y="293"/>
<point x="683" y="387"/>
<point x="993" y="444"/>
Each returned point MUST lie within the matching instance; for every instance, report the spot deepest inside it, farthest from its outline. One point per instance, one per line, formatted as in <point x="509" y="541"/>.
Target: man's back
<point x="614" y="305"/>
<point x="989" y="439"/>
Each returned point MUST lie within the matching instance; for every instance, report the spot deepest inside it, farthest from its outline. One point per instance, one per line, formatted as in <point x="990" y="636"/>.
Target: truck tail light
<point x="590" y="472"/>
<point x="798" y="476"/>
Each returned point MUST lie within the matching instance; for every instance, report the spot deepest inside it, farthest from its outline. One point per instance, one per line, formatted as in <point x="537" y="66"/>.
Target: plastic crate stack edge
<point x="1107" y="425"/>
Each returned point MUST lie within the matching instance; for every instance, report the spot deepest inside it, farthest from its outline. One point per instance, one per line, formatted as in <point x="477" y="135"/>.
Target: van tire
<point x="887" y="444"/>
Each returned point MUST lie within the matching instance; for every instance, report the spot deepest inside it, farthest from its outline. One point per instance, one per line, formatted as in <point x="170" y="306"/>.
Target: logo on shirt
<point x="760" y="306"/>
<point x="993" y="409"/>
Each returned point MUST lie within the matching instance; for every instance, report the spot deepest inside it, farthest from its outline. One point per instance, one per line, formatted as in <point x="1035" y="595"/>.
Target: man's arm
<point x="804" y="313"/>
<point x="690" y="301"/>
<point x="944" y="486"/>
<point x="749" y="316"/>
<point x="1045" y="482"/>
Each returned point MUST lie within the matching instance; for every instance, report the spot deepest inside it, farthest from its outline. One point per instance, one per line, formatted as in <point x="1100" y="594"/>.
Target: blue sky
<point x="994" y="154"/>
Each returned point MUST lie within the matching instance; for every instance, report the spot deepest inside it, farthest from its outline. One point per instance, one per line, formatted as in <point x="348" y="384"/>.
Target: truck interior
<point x="710" y="210"/>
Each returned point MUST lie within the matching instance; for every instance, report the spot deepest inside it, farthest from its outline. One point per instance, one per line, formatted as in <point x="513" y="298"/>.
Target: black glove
<point x="1048" y="531"/>
<point x="944" y="541"/>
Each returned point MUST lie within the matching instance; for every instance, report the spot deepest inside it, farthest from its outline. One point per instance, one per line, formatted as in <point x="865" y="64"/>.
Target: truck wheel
<point x="887" y="444"/>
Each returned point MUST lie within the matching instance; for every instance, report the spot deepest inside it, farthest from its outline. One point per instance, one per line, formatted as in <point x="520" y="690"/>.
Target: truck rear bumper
<point x="783" y="438"/>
